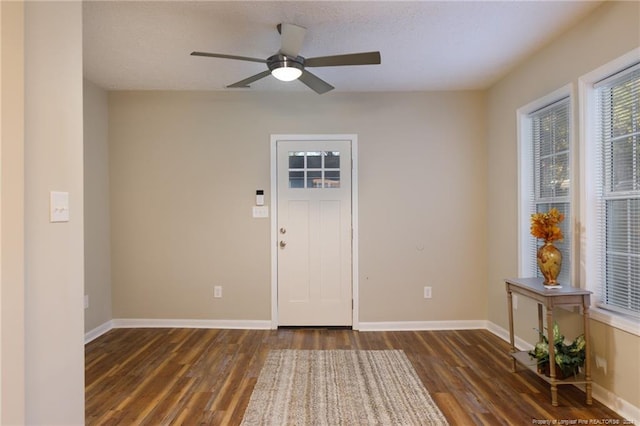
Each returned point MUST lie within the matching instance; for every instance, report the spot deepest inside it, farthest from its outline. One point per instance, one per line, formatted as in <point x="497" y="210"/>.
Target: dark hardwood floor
<point x="204" y="376"/>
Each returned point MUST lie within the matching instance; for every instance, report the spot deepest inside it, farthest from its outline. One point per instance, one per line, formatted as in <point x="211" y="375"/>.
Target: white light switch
<point x="260" y="211"/>
<point x="59" y="206"/>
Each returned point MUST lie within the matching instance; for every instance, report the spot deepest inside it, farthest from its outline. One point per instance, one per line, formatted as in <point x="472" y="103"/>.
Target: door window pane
<point x="296" y="160"/>
<point x="314" y="179"/>
<point x="332" y="160"/>
<point x="296" y="179"/>
<point x="314" y="160"/>
<point x="332" y="179"/>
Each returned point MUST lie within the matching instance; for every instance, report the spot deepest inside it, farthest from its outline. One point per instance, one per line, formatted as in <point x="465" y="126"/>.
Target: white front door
<point x="314" y="251"/>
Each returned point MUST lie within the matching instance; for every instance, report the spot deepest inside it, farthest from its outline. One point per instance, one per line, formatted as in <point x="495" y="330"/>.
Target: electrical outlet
<point x="217" y="291"/>
<point x="427" y="292"/>
<point x="601" y="363"/>
<point x="86" y="301"/>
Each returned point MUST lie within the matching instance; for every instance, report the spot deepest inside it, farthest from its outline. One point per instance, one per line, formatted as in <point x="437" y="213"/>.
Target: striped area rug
<point x="340" y="387"/>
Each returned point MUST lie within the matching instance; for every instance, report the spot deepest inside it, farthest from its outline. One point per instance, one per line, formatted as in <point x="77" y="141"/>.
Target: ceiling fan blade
<point x="247" y="81"/>
<point x="292" y="38"/>
<point x="365" y="58"/>
<point x="315" y="83"/>
<point x="221" y="55"/>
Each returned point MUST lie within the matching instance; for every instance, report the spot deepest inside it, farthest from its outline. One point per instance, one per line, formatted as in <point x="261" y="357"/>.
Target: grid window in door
<point x="314" y="169"/>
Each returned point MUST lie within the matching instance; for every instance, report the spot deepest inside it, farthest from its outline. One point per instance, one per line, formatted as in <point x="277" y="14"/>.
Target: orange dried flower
<point x="545" y="225"/>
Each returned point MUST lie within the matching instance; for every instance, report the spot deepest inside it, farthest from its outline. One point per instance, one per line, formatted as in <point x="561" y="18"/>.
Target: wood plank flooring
<point x="205" y="377"/>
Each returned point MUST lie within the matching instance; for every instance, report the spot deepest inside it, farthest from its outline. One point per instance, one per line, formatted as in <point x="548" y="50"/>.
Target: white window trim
<point x="525" y="170"/>
<point x="588" y="263"/>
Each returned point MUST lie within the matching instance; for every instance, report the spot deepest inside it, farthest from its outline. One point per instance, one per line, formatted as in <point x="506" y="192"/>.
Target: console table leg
<point x="552" y="357"/>
<point x="540" y="323"/>
<point x="511" y="334"/>
<point x="587" y="348"/>
<point x="554" y="394"/>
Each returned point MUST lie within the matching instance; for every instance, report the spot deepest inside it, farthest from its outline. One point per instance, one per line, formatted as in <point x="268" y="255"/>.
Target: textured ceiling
<point x="425" y="45"/>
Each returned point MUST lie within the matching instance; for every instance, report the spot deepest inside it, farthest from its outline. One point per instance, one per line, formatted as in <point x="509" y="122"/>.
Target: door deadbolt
<point x="283" y="231"/>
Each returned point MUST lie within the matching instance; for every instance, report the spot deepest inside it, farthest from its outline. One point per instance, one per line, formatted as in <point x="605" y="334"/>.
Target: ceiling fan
<point x="288" y="65"/>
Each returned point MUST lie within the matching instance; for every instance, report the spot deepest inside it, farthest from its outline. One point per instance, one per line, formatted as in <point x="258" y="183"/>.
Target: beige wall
<point x="53" y="251"/>
<point x="97" y="222"/>
<point x="612" y="30"/>
<point x="12" y="263"/>
<point x="184" y="168"/>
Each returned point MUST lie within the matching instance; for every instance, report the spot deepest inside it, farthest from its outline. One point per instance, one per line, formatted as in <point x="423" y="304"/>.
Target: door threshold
<point x="315" y="327"/>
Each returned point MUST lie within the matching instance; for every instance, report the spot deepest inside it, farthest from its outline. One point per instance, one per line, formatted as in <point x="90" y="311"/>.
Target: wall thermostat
<point x="260" y="197"/>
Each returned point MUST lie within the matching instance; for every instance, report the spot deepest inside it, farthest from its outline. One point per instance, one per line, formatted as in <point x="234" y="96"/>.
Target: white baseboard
<point x="97" y="332"/>
<point x="191" y="323"/>
<point x="422" y="325"/>
<point x="174" y="323"/>
<point x="624" y="408"/>
<point x="521" y="344"/>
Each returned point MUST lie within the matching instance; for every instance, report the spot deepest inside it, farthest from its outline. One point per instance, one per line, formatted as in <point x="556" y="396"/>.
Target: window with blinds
<point x="549" y="151"/>
<point x="618" y="190"/>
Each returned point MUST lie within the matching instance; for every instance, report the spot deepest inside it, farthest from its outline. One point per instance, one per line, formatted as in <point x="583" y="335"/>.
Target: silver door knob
<point x="283" y="244"/>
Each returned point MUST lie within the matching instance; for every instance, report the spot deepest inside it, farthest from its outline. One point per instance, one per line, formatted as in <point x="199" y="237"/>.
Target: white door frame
<point x="353" y="138"/>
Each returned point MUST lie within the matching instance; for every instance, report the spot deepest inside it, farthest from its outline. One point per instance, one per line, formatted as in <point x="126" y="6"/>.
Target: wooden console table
<point x="550" y="298"/>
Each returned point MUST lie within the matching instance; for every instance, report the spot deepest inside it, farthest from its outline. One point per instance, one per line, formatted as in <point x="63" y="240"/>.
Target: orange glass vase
<point x="550" y="263"/>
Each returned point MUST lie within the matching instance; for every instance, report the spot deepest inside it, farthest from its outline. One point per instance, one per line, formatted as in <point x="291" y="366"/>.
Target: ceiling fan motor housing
<point x="283" y="61"/>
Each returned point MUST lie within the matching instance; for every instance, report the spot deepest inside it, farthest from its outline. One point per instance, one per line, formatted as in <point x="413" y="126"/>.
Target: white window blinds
<point x="618" y="208"/>
<point x="551" y="183"/>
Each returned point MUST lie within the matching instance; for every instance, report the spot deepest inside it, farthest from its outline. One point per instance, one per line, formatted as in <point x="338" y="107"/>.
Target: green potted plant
<point x="568" y="357"/>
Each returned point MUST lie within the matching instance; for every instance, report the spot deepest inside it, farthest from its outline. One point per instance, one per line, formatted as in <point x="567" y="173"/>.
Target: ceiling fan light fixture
<point x="286" y="73"/>
<point x="284" y="68"/>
